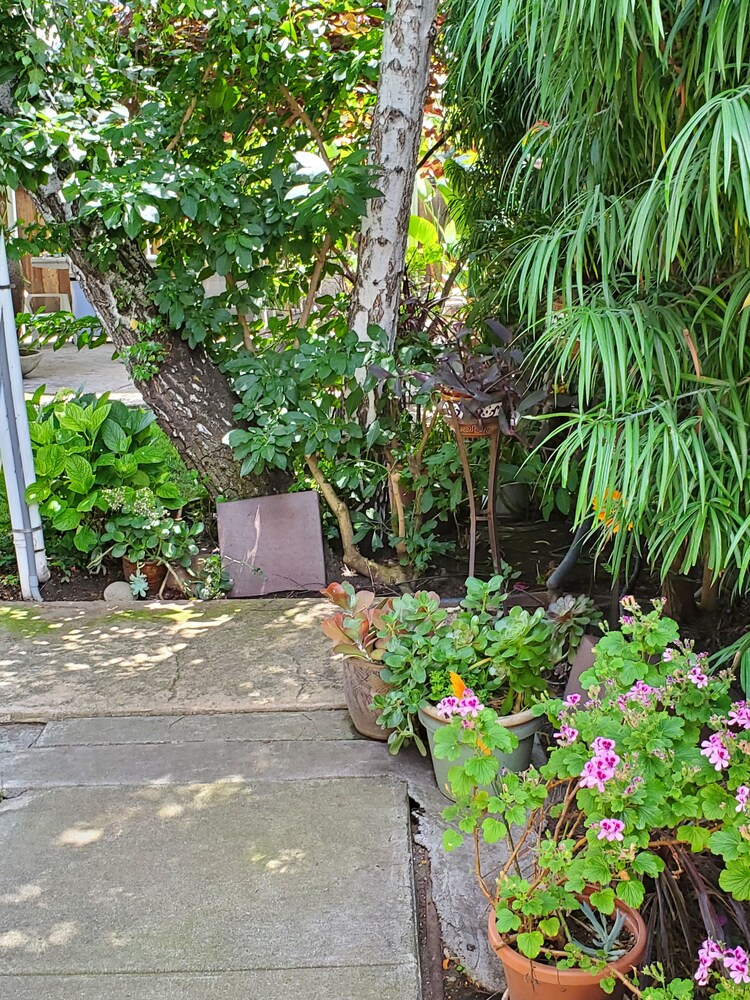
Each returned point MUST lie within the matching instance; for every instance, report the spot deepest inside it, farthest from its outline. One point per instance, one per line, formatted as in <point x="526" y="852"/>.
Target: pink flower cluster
<point x="566" y="736"/>
<point x="743" y="797"/>
<point x="640" y="692"/>
<point x="716" y="752"/>
<point x="571" y="701"/>
<point x="468" y="706"/>
<point x="735" y="961"/>
<point x="739" y="715"/>
<point x="609" y="829"/>
<point x="602" y="765"/>
<point x="696" y="675"/>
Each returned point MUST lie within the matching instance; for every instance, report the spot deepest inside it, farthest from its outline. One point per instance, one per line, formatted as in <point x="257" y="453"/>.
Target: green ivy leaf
<point x="604" y="900"/>
<point x="646" y="863"/>
<point x="735" y="879"/>
<point x="696" y="836"/>
<point x="493" y="830"/>
<point x="530" y="943"/>
<point x="507" y="921"/>
<point x="451" y="840"/>
<point x="482" y="769"/>
<point x="631" y="892"/>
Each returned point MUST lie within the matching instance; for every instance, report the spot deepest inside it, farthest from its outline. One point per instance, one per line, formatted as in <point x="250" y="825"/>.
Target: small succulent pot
<point x="523" y="725"/>
<point x="362" y="681"/>
<point x="155" y="573"/>
<point x="530" y="980"/>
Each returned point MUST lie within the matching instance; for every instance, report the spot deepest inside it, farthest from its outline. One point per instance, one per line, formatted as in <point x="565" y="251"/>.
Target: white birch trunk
<point x="394" y="147"/>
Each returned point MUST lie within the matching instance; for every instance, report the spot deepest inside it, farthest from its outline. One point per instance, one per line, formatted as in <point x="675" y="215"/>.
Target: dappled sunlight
<point x="59" y="934"/>
<point x="79" y="837"/>
<point x="23" y="894"/>
<point x="285" y="862"/>
<point x="161" y="658"/>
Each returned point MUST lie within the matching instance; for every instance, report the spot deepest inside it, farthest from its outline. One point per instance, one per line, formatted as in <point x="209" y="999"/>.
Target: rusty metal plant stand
<point x="463" y="431"/>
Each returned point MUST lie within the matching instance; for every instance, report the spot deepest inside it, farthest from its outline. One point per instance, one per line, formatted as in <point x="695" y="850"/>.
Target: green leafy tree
<point x="231" y="138"/>
<point x="611" y="198"/>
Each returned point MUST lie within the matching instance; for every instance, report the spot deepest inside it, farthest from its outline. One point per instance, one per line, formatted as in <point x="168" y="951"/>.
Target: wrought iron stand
<point x="465" y="431"/>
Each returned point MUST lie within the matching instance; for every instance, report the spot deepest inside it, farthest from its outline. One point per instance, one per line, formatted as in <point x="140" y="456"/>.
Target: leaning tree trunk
<point x="394" y="147"/>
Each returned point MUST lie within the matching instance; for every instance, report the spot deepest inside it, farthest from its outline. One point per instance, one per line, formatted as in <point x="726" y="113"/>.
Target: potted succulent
<point x="503" y="658"/>
<point x="353" y="630"/>
<point x="652" y="767"/>
<point x="147" y="537"/>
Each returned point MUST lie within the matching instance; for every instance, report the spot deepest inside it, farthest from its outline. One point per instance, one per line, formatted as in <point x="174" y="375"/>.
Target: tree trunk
<point x="189" y="395"/>
<point x="394" y="147"/>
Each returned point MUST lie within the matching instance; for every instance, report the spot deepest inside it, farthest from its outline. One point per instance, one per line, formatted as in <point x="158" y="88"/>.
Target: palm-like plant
<point x="623" y="247"/>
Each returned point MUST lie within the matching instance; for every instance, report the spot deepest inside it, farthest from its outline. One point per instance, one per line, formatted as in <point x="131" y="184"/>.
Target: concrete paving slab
<point x="246" y="727"/>
<point x="364" y="982"/>
<point x="211" y="760"/>
<point x="18" y="737"/>
<point x="208" y="878"/>
<point x="65" y="660"/>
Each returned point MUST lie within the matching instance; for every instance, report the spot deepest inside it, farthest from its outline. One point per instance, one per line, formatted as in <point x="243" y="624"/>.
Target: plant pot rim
<point x="29" y="352"/>
<point x="572" y="977"/>
<point x="517" y="719"/>
<point x="374" y="665"/>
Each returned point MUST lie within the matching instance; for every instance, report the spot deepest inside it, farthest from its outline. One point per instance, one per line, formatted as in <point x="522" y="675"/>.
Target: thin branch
<point x="247" y="335"/>
<point x="441" y="140"/>
<point x="188" y="115"/>
<point x="303" y="116"/>
<point x="320" y="262"/>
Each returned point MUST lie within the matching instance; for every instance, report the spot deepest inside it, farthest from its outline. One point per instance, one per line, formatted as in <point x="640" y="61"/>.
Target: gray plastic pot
<point x="523" y="725"/>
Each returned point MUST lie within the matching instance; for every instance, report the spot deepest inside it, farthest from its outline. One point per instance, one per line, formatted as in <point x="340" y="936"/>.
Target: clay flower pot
<point x="154" y="573"/>
<point x="362" y="682"/>
<point x="530" y="980"/>
<point x="469" y="426"/>
<point x="523" y="725"/>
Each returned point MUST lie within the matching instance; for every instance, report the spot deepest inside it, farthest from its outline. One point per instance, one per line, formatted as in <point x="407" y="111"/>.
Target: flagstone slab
<point x="214" y="878"/>
<point x="66" y="660"/>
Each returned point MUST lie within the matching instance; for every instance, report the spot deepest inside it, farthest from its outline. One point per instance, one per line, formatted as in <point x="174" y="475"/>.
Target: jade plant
<point x="354" y="629"/>
<point x="504" y="657"/>
<point x="650" y="776"/>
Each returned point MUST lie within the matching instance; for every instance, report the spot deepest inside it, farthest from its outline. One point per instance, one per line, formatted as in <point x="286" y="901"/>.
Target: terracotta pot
<point x="469" y="427"/>
<point x="362" y="682"/>
<point x="154" y="573"/>
<point x="528" y="979"/>
<point x="523" y="725"/>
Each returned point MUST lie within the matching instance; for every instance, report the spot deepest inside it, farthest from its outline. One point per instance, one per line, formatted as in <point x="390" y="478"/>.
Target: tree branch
<point x="320" y="262"/>
<point x="388" y="575"/>
<point x="303" y="116"/>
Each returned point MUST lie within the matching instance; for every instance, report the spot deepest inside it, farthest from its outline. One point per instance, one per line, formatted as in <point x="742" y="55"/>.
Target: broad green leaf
<point x="530" y="943"/>
<point x="80" y="474"/>
<point x="631" y="892"/>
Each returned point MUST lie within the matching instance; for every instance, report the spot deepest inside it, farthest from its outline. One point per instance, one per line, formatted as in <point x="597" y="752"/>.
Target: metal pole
<point x="15" y="449"/>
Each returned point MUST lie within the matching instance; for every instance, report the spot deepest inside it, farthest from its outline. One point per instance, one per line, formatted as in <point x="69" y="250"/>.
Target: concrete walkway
<point x="90" y="370"/>
<point x="189" y="814"/>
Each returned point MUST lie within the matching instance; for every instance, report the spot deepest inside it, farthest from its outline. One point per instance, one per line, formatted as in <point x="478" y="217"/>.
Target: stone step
<point x="211" y="760"/>
<point x="363" y="982"/>
<point x="244" y="727"/>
